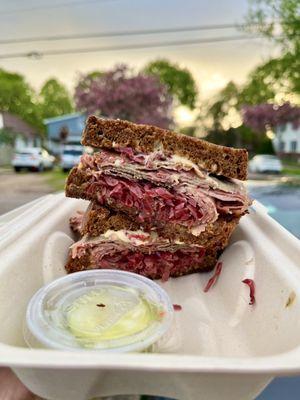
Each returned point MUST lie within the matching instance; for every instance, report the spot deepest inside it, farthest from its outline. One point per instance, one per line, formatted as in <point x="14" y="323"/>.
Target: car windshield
<point x="26" y="153"/>
<point x="73" y="152"/>
<point x="265" y="158"/>
<point x="269" y="157"/>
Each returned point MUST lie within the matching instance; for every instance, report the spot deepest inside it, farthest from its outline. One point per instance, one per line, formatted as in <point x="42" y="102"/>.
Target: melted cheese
<point x="123" y="236"/>
<point x="185" y="162"/>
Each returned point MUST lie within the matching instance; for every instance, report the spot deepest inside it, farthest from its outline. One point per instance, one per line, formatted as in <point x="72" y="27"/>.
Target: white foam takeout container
<point x="219" y="347"/>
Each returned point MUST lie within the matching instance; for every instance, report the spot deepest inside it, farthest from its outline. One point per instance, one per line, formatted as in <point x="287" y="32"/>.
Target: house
<point x="287" y="141"/>
<point x="64" y="130"/>
<point x="16" y="135"/>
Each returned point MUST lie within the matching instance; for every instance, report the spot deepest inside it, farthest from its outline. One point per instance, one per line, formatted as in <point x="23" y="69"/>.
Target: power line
<point x="40" y="54"/>
<point x="121" y="33"/>
<point x="47" y="7"/>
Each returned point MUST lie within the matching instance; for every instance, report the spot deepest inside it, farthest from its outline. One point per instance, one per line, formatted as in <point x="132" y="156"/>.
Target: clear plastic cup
<point x="100" y="310"/>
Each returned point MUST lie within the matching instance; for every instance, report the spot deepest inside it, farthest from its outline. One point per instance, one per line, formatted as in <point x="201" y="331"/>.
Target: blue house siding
<point x="73" y="124"/>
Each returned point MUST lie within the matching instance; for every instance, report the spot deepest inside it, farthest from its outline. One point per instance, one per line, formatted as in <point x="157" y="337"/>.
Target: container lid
<point x="103" y="310"/>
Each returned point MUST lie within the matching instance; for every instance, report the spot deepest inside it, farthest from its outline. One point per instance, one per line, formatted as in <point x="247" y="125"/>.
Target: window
<point x="281" y="146"/>
<point x="73" y="152"/>
<point x="282" y="128"/>
<point x="294" y="146"/>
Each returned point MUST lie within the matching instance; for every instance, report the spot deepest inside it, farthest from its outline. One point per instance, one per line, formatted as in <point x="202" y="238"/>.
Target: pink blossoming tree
<point x="119" y="93"/>
<point x="264" y="116"/>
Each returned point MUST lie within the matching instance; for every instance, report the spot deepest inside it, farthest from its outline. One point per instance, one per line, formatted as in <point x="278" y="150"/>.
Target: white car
<point x="265" y="163"/>
<point x="32" y="158"/>
<point x="71" y="157"/>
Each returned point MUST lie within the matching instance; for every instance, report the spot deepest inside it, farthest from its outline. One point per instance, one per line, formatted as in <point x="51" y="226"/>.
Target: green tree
<point x="261" y="86"/>
<point x="95" y="74"/>
<point x="279" y="21"/>
<point x="226" y="99"/>
<point x="17" y="97"/>
<point x="229" y="103"/>
<point x="85" y="81"/>
<point x="54" y="99"/>
<point x="179" y="81"/>
<point x="7" y="136"/>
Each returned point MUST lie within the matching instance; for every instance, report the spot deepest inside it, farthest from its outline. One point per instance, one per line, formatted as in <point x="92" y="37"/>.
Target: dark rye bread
<point x="98" y="220"/>
<point x="219" y="160"/>
<point x="84" y="263"/>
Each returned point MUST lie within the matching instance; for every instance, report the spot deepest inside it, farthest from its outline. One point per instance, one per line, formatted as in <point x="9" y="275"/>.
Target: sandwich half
<point x="159" y="178"/>
<point x="112" y="240"/>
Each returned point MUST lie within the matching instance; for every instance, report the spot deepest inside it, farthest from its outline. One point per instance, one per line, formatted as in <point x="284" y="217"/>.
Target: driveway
<point x="18" y="189"/>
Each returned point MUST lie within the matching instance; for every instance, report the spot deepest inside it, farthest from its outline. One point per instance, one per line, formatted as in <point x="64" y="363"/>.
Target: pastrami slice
<point x="160" y="188"/>
<point x="139" y="252"/>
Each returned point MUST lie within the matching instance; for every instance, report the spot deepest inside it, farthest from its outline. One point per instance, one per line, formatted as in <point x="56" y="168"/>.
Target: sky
<point x="212" y="65"/>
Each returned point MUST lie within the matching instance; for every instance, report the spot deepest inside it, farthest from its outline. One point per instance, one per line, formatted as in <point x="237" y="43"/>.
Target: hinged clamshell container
<point x="219" y="346"/>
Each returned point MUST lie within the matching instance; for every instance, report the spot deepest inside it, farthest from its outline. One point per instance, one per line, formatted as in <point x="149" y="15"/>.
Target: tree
<point x="226" y="126"/>
<point x="119" y="93"/>
<point x="179" y="81"/>
<point x="54" y="99"/>
<point x="267" y="116"/>
<point x="86" y="80"/>
<point x="279" y="21"/>
<point x="7" y="136"/>
<point x="226" y="100"/>
<point x="17" y="97"/>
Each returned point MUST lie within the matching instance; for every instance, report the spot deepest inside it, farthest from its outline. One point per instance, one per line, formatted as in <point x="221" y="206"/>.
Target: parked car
<point x="33" y="159"/>
<point x="71" y="157"/>
<point x="265" y="163"/>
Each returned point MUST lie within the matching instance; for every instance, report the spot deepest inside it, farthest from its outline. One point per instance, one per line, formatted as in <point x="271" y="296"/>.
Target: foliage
<point x="54" y="99"/>
<point x="260" y="86"/>
<point x="241" y="137"/>
<point x="266" y="16"/>
<point x="86" y="80"/>
<point x="7" y="136"/>
<point x="55" y="178"/>
<point x="95" y="74"/>
<point x="119" y="93"/>
<point x="188" y="130"/>
<point x="17" y="97"/>
<point x="279" y="20"/>
<point x="179" y="81"/>
<point x="264" y="116"/>
<point x="226" y="99"/>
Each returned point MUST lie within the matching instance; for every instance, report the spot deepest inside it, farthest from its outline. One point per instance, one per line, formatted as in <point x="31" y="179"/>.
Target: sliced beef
<point x="146" y="254"/>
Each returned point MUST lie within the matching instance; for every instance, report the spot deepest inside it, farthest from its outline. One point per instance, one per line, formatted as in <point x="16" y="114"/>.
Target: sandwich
<point x="155" y="194"/>
<point x="111" y="239"/>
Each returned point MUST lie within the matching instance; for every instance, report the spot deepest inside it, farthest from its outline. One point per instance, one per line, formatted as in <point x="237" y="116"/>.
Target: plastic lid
<point x="103" y="310"/>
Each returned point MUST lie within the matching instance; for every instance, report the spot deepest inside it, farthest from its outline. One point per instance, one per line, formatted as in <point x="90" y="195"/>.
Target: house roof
<point x="17" y="125"/>
<point x="62" y="118"/>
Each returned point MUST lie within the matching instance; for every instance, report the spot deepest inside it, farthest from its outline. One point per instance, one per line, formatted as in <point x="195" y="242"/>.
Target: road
<point x="18" y="189"/>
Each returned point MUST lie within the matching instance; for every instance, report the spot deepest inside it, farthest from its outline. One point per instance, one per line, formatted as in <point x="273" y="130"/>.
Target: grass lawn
<point x="56" y="178"/>
<point x="291" y="169"/>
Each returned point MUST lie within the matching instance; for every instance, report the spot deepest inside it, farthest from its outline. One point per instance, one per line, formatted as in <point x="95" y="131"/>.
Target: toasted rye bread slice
<point x="219" y="160"/>
<point x="208" y="263"/>
<point x="98" y="220"/>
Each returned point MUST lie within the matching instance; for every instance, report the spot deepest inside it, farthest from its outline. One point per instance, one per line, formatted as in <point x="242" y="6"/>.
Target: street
<point x="18" y="189"/>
